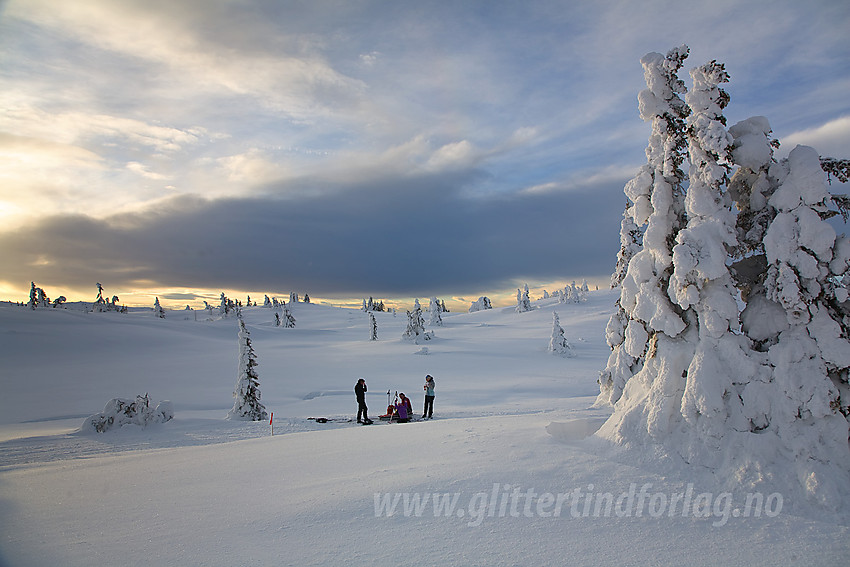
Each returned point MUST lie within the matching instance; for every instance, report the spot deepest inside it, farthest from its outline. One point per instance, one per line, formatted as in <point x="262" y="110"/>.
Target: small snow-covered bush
<point x="120" y="412"/>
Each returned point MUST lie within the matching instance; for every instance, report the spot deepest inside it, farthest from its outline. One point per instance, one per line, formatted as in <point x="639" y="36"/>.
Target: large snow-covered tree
<point x="247" y="405"/>
<point x="730" y="346"/>
<point x="701" y="280"/>
<point x="646" y="319"/>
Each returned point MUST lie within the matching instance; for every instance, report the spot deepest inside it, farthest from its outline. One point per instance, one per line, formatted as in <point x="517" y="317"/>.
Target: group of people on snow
<point x="402" y="409"/>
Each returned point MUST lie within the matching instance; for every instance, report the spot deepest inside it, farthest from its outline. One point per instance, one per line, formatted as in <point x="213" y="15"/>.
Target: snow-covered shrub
<point x="480" y="304"/>
<point x="119" y="412"/>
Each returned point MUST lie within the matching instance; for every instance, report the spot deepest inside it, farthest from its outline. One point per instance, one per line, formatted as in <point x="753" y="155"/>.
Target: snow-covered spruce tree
<point x="100" y="302"/>
<point x="33" y="301"/>
<point x="576" y="295"/>
<point x="808" y="354"/>
<point x="38" y="298"/>
<point x="415" y="330"/>
<point x="795" y="314"/>
<point x="753" y="401"/>
<point x="288" y="317"/>
<point x="293" y="297"/>
<point x="267" y="302"/>
<point x="157" y="309"/>
<point x="277" y="319"/>
<point x="226" y="306"/>
<point x="647" y="322"/>
<point x="630" y="244"/>
<point x="373" y="327"/>
<point x="558" y="343"/>
<point x="434" y="317"/>
<point x="247" y="405"/>
<point x="523" y="302"/>
<point x="723" y="362"/>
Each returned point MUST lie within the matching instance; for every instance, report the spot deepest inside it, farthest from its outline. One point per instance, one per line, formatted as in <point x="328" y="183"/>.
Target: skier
<point x="362" y="410"/>
<point x="428" y="412"/>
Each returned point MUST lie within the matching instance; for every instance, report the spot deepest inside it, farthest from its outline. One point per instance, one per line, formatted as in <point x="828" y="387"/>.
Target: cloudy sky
<point x="352" y="148"/>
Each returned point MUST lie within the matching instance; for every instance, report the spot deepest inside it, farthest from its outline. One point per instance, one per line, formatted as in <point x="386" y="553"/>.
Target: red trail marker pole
<point x="271" y="422"/>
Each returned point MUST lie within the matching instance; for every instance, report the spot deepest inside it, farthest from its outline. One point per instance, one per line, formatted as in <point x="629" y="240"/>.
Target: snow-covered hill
<point x="505" y="474"/>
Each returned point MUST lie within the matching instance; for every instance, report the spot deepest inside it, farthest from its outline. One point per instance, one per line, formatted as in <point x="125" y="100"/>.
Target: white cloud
<point x="41" y="176"/>
<point x="454" y="155"/>
<point x="169" y="39"/>
<point x="830" y="140"/>
<point x="253" y="167"/>
<point x="75" y="127"/>
<point x="144" y="171"/>
<point x="585" y="179"/>
<point x="369" y="59"/>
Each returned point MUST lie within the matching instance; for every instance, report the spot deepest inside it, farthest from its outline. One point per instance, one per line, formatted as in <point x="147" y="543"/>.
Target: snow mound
<point x="119" y="412"/>
<point x="575" y="429"/>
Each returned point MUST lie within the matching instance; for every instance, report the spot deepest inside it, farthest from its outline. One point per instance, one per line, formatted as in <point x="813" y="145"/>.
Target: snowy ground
<point x="517" y="481"/>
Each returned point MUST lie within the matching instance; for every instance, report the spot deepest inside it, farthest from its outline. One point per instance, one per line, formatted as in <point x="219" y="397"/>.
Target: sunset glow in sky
<point x="349" y="148"/>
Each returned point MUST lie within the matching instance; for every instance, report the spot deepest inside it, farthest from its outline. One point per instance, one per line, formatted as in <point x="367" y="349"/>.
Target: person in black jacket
<point x="362" y="410"/>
